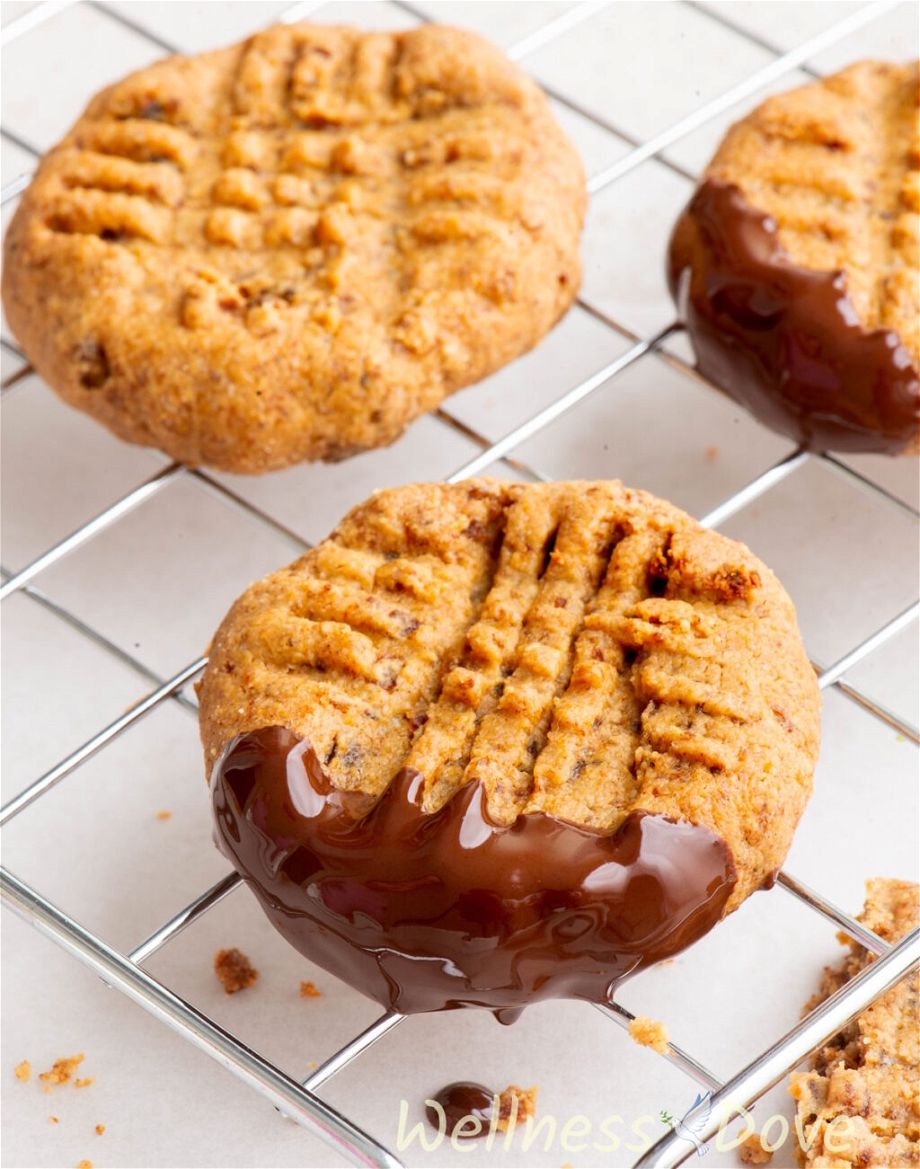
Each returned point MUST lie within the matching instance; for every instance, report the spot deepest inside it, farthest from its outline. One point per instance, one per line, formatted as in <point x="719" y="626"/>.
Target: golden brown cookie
<point x="860" y="1106"/>
<point x="291" y="248"/>
<point x="797" y="262"/>
<point x="494" y="742"/>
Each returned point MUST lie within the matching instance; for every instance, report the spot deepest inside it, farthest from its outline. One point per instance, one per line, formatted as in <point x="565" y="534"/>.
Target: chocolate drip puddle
<point x="426" y="911"/>
<point x="786" y="341"/>
<point x="460" y="1101"/>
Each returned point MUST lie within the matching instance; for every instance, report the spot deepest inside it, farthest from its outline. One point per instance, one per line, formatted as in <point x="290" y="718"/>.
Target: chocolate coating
<point x="426" y="911"/>
<point x="786" y="341"/>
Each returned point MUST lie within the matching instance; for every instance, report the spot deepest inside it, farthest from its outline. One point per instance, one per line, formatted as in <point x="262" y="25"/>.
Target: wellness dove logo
<point x="692" y="1123"/>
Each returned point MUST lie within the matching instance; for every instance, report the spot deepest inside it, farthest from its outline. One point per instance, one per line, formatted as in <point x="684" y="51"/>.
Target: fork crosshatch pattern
<point x="118" y="566"/>
<point x="314" y="209"/>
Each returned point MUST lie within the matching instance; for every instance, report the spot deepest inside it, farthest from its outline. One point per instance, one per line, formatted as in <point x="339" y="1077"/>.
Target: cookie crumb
<point x="649" y="1033"/>
<point x="234" y="970"/>
<point x="23" y="1071"/>
<point x="856" y="1106"/>
<point x="53" y="1120"/>
<point x="164" y="814"/>
<point x="85" y="1082"/>
<point x="712" y="453"/>
<point x="84" y="1165"/>
<point x="309" y="990"/>
<point x="100" y="1129"/>
<point x="752" y="1152"/>
<point x="61" y="1072"/>
<point x="515" y="1105"/>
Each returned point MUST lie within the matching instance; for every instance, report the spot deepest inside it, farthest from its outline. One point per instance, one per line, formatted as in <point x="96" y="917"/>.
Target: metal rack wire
<point x="126" y="971"/>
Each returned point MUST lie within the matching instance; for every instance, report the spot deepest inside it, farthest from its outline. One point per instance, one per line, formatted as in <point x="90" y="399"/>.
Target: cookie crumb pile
<point x="515" y="1106"/>
<point x="752" y="1152"/>
<point x="859" y="1105"/>
<point x="62" y="1072"/>
<point x="649" y="1033"/>
<point x="234" y="970"/>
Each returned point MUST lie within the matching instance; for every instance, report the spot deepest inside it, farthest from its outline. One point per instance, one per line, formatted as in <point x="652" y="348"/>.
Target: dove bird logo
<point x="693" y="1123"/>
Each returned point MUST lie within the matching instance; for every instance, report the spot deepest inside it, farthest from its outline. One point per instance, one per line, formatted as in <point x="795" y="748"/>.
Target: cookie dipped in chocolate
<point x="426" y="911"/>
<point x="786" y="341"/>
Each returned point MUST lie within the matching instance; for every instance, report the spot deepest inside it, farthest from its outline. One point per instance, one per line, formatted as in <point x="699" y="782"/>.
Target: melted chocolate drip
<point x="785" y="341"/>
<point x="459" y="1101"/>
<point x="426" y="911"/>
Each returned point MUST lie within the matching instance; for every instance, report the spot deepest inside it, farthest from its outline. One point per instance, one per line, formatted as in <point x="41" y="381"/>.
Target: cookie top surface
<point x="803" y="254"/>
<point x="290" y="248"/>
<point x="836" y="165"/>
<point x="577" y="653"/>
<point x="859" y="1105"/>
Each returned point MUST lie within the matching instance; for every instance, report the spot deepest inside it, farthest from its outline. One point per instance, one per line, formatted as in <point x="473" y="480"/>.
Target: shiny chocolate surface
<point x="785" y="341"/>
<point x="459" y="1101"/>
<point x="426" y="911"/>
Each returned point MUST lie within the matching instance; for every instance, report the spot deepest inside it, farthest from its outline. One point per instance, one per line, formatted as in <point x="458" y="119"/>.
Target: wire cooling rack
<point x="126" y="971"/>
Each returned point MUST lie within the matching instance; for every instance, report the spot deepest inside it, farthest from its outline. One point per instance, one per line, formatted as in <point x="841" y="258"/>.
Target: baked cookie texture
<point x="860" y="1105"/>
<point x="797" y="261"/>
<point x="581" y="652"/>
<point x="290" y="248"/>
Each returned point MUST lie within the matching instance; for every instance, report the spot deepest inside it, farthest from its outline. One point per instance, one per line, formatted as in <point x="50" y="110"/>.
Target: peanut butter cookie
<point x="496" y="742"/>
<point x="860" y="1106"/>
<point x="291" y="248"/>
<point x="797" y="262"/>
